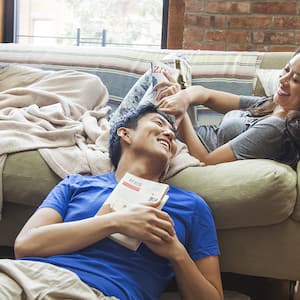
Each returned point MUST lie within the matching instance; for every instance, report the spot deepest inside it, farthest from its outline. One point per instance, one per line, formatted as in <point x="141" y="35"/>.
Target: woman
<point x="252" y="127"/>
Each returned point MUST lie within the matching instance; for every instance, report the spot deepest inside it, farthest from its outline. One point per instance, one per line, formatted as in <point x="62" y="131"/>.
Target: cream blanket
<point x="63" y="115"/>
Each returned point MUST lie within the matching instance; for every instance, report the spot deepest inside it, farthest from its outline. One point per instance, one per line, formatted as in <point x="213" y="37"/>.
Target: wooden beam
<point x="1" y="20"/>
<point x="175" y="24"/>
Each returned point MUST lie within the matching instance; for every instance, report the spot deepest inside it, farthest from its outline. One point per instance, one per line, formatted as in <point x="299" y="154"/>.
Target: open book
<point x="132" y="190"/>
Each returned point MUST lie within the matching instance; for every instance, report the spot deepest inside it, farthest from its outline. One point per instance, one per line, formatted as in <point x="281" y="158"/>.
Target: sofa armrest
<point x="243" y="193"/>
<point x="296" y="213"/>
<point x="27" y="179"/>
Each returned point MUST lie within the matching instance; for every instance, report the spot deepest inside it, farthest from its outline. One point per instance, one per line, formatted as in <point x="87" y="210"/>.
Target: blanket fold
<point x="62" y="114"/>
<point x="61" y="110"/>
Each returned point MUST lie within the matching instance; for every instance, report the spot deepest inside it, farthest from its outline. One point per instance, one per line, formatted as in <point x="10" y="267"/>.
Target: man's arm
<point x="46" y="234"/>
<point x="200" y="279"/>
<point x="196" y="280"/>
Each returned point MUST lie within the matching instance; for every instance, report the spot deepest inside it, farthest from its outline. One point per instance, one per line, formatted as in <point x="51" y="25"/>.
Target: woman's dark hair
<point x="292" y="125"/>
<point x="263" y="109"/>
<point x="129" y="120"/>
<point x="268" y="106"/>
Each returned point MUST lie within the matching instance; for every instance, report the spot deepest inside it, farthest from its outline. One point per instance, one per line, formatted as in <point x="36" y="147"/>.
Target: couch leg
<point x="6" y="252"/>
<point x="293" y="288"/>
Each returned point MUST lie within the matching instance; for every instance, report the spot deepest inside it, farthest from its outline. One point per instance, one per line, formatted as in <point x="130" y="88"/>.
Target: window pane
<point x="88" y="22"/>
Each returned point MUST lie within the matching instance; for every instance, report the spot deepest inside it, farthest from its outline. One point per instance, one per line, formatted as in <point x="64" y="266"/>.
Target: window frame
<point x="10" y="22"/>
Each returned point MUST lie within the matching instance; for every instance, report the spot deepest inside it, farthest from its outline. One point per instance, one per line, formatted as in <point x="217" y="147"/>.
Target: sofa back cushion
<point x="119" y="68"/>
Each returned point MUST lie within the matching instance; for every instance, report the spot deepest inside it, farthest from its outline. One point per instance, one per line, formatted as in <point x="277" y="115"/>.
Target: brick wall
<point x="267" y="25"/>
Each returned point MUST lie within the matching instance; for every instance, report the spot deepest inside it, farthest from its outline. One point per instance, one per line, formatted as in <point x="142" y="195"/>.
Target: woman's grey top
<point x="251" y="137"/>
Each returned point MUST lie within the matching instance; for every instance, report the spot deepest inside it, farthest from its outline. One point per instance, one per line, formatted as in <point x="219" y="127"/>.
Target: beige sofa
<point x="255" y="202"/>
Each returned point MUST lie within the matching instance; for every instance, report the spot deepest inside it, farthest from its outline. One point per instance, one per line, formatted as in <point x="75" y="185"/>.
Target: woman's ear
<point x="124" y="134"/>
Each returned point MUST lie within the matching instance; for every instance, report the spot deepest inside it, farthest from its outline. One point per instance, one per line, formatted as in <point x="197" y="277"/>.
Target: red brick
<point x="218" y="21"/>
<point x="281" y="37"/>
<point x="228" y="7"/>
<point x="249" y="22"/>
<point x="297" y="38"/>
<point x="274" y="37"/>
<point x="191" y="45"/>
<point x="286" y="7"/>
<point x="258" y="25"/>
<point x="227" y="36"/>
<point x="194" y="6"/>
<point x="240" y="47"/>
<point x="286" y="22"/>
<point x="262" y="48"/>
<point x="237" y="36"/>
<point x="258" y="37"/>
<point x="282" y="48"/>
<point x="193" y="34"/>
<point x="204" y="21"/>
<point x="213" y="46"/>
<point x="196" y="20"/>
<point x="215" y="36"/>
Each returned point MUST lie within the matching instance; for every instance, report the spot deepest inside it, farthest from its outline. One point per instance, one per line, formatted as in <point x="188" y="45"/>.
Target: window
<point x="127" y="23"/>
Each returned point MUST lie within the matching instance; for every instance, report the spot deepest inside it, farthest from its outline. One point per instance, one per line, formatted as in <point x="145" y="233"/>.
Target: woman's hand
<point x="176" y="104"/>
<point x="166" y="88"/>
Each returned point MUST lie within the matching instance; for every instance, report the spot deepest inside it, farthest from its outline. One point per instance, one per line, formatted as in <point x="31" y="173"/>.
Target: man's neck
<point x="141" y="168"/>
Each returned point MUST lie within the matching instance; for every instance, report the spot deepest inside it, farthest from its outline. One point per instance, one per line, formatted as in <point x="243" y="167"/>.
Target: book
<point x="132" y="190"/>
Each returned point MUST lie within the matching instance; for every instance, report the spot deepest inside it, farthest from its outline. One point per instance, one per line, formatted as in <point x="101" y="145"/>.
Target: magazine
<point x="133" y="190"/>
<point x="177" y="66"/>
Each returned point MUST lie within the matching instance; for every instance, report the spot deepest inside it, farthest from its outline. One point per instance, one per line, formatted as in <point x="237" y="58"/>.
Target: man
<point x="66" y="237"/>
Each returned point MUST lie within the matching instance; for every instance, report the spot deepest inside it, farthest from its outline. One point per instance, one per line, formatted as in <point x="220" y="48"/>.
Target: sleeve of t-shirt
<point x="262" y="140"/>
<point x="247" y="101"/>
<point x="203" y="239"/>
<point x="59" y="196"/>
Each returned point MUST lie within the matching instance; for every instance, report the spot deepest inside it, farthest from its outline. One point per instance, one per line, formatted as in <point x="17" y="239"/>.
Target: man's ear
<point x="124" y="134"/>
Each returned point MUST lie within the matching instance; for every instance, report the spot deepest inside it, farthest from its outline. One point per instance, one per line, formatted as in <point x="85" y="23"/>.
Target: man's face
<point x="154" y="135"/>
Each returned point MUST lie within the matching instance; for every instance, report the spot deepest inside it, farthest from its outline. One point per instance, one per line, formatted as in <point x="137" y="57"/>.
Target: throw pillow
<point x="269" y="79"/>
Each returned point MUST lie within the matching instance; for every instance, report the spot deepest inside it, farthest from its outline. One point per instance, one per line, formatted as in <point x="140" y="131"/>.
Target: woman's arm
<point x="197" y="149"/>
<point x="177" y="104"/>
<point x="218" y="101"/>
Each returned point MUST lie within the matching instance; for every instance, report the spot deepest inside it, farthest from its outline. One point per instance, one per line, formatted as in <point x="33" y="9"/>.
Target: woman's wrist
<point x="187" y="97"/>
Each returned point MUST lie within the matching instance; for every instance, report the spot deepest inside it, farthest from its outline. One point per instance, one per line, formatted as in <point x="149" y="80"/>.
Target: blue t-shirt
<point x="112" y="268"/>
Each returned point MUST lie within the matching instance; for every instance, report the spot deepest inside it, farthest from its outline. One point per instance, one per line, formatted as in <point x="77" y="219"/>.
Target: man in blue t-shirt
<point x="63" y="251"/>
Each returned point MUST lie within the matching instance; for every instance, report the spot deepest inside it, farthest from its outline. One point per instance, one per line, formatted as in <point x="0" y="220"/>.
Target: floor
<point x="259" y="288"/>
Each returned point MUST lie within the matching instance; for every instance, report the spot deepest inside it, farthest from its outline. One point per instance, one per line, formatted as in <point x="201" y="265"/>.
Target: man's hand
<point x="145" y="222"/>
<point x="104" y="209"/>
<point x="167" y="249"/>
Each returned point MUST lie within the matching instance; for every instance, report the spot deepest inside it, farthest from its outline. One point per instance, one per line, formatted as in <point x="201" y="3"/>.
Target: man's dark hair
<point x="129" y="120"/>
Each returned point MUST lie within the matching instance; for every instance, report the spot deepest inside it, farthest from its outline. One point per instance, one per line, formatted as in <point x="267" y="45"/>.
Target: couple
<point x="63" y="249"/>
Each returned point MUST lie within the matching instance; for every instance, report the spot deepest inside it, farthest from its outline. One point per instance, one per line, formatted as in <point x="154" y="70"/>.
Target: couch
<point x="255" y="203"/>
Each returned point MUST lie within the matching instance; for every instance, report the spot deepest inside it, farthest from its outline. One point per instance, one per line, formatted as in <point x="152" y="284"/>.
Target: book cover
<point x="132" y="190"/>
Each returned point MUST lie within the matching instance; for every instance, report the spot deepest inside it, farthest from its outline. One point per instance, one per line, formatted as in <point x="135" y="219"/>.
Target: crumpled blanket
<point x="63" y="115"/>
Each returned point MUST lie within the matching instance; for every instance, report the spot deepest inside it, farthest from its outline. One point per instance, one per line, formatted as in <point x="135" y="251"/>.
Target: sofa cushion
<point x="243" y="193"/>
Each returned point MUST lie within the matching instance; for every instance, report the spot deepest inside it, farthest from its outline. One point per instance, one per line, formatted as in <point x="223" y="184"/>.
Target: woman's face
<point x="288" y="93"/>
